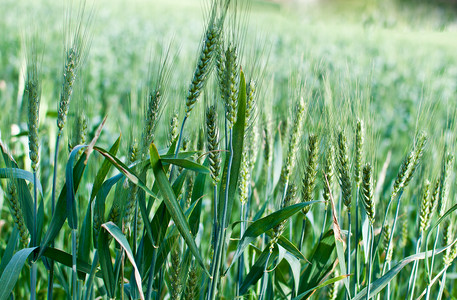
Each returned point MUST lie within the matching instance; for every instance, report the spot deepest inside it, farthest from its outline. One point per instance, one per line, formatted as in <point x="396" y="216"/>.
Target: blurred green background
<point x="397" y="56"/>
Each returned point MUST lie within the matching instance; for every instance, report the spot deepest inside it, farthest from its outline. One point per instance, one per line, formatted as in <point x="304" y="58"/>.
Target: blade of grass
<point x="173" y="206"/>
<point x="120" y="238"/>
<point x="12" y="270"/>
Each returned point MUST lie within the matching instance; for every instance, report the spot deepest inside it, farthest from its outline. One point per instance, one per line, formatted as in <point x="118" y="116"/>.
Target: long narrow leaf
<point x="120" y="238"/>
<point x="187" y="164"/>
<point x="60" y="213"/>
<point x="72" y="211"/>
<point x="380" y="283"/>
<point x="12" y="271"/>
<point x="104" y="169"/>
<point x="322" y="262"/>
<point x="10" y="247"/>
<point x="264" y="224"/>
<point x="173" y="206"/>
<point x="257" y="270"/>
<point x="325" y="283"/>
<point x="20" y="174"/>
<point x="106" y="265"/>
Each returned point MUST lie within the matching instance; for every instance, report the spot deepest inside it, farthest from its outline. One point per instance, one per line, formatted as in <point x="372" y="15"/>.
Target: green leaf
<point x="20" y="174"/>
<point x="86" y="235"/>
<point x="339" y="243"/>
<point x="25" y="197"/>
<point x="66" y="259"/>
<point x="12" y="271"/>
<point x="322" y="263"/>
<point x="120" y="238"/>
<point x="197" y="193"/>
<point x="380" y="283"/>
<point x="60" y="213"/>
<point x="10" y="247"/>
<point x="269" y="222"/>
<point x="72" y="208"/>
<point x="257" y="270"/>
<point x="325" y="283"/>
<point x="187" y="164"/>
<point x="294" y="264"/>
<point x="99" y="204"/>
<point x="104" y="169"/>
<point x="288" y="245"/>
<point x="106" y="266"/>
<point x="172" y="205"/>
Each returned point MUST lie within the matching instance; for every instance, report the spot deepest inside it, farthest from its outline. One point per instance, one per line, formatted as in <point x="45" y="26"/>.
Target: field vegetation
<point x="227" y="149"/>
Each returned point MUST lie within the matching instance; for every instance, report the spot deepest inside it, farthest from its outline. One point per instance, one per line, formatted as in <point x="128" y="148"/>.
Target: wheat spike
<point x="424" y="216"/>
<point x="367" y="192"/>
<point x="212" y="134"/>
<point x="343" y="168"/>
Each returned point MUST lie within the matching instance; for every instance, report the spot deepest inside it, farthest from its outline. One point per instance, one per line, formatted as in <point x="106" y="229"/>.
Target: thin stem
<point x="434" y="250"/>
<point x="302" y="234"/>
<point x="348" y="255"/>
<point x="54" y="178"/>
<point x="151" y="274"/>
<point x="263" y="286"/>
<point x="241" y="258"/>
<point x="33" y="274"/>
<point x="178" y="144"/>
<point x="384" y="221"/>
<point x="392" y="232"/>
<point x="388" y="285"/>
<point x="53" y="205"/>
<point x="215" y="216"/>
<point x="221" y="231"/>
<point x="442" y="285"/>
<point x="370" y="261"/>
<point x="73" y="269"/>
<point x="412" y="279"/>
<point x="356" y="271"/>
<point x="90" y="280"/>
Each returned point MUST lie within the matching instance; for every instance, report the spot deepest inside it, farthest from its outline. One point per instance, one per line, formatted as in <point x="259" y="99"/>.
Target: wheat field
<point x="225" y="149"/>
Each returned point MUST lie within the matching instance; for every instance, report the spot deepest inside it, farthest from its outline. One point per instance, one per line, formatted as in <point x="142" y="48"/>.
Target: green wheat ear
<point x="309" y="179"/>
<point x="386" y="236"/>
<point x="343" y="168"/>
<point x="173" y="129"/>
<point x="69" y="76"/>
<point x="175" y="270"/>
<point x="294" y="140"/>
<point x="16" y="211"/>
<point x="367" y="192"/>
<point x="446" y="169"/>
<point x="212" y="134"/>
<point x="152" y="115"/>
<point x="328" y="173"/>
<point x="359" y="141"/>
<point x="419" y="148"/>
<point x="403" y="173"/>
<point x="192" y="286"/>
<point x="204" y="64"/>
<point x="425" y="212"/>
<point x="448" y="236"/>
<point x="230" y="83"/>
<point x="33" y="93"/>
